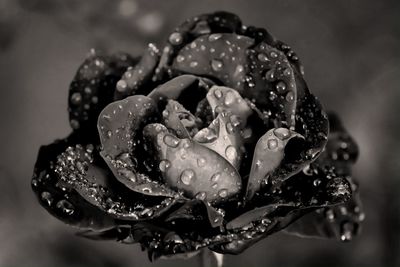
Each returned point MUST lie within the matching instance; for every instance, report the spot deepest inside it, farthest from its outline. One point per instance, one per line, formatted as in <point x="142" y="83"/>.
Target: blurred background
<point x="350" y="50"/>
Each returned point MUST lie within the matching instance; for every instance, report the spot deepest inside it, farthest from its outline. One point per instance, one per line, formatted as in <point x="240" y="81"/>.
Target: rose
<point x="213" y="142"/>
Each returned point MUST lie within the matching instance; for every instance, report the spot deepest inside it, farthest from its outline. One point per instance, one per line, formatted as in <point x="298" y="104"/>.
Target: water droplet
<point x="270" y="75"/>
<point x="180" y="58"/>
<point x="65" y="206"/>
<point x="164" y="165"/>
<point x="223" y="193"/>
<point x="330" y="215"/>
<point x="215" y="177"/>
<point x="346" y="231"/>
<point x="287" y="72"/>
<point x="74" y="124"/>
<point x="282" y="133"/>
<point x="231" y="153"/>
<point x="76" y="98"/>
<point x="171" y="141"/>
<point x="214" y="37"/>
<point x="193" y="64"/>
<point x="201" y="195"/>
<point x="272" y="144"/>
<point x="316" y="182"/>
<point x="262" y="57"/>
<point x="216" y="64"/>
<point x="46" y="196"/>
<point x="187" y="176"/>
<point x="229" y="98"/>
<point x="289" y="96"/>
<point x="280" y="87"/>
<point x="121" y="86"/>
<point x="273" y="54"/>
<point x="201" y="162"/>
<point x="175" y="38"/>
<point x="217" y="93"/>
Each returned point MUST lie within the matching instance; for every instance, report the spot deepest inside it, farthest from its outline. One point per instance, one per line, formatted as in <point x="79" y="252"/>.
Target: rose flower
<point x="213" y="141"/>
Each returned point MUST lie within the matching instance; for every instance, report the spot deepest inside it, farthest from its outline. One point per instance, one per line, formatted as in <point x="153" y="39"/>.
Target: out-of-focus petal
<point x="92" y="89"/>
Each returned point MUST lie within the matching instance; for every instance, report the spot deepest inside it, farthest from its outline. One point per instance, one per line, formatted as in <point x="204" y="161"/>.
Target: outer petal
<point x="343" y="221"/>
<point x="82" y="169"/>
<point x="62" y="201"/>
<point x="138" y="79"/>
<point x="92" y="89"/>
<point x="120" y="127"/>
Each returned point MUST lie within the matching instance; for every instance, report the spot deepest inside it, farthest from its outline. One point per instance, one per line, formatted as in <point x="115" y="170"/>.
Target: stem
<point x="211" y="259"/>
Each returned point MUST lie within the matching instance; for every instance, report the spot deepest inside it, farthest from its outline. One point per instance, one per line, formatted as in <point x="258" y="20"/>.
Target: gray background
<point x="350" y="50"/>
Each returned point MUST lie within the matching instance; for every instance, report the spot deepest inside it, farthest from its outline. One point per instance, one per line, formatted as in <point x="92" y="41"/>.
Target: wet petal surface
<point x="120" y="125"/>
<point x="192" y="168"/>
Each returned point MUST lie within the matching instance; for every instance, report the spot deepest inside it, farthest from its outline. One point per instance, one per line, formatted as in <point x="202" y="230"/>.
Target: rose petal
<point x="188" y="90"/>
<point x="134" y="79"/>
<point x="192" y="168"/>
<point x="121" y="234"/>
<point x="270" y="162"/>
<point x="218" y="22"/>
<point x="62" y="201"/>
<point x="93" y="87"/>
<point x="80" y="169"/>
<point x="181" y="121"/>
<point x="120" y="125"/>
<point x="343" y="221"/>
<point x="227" y="100"/>
<point x="223" y="138"/>
<point x="196" y="211"/>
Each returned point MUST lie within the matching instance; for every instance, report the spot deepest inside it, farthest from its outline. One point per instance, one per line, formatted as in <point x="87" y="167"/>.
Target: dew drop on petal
<point x="187" y="176"/>
<point x="281" y="87"/>
<point x="229" y="98"/>
<point x="214" y="37"/>
<point x="262" y="57"/>
<point x="121" y="86"/>
<point x="164" y="165"/>
<point x="175" y="38"/>
<point x="193" y="64"/>
<point x="76" y="98"/>
<point x="223" y="193"/>
<point x="273" y="54"/>
<point x="218" y="93"/>
<point x="289" y="96"/>
<point x="282" y="133"/>
<point x="272" y="144"/>
<point x="270" y="75"/>
<point x="201" y="195"/>
<point x="231" y="153"/>
<point x="216" y="64"/>
<point x="47" y="197"/>
<point x="171" y="141"/>
<point x="65" y="207"/>
<point x="215" y="177"/>
<point x="201" y="162"/>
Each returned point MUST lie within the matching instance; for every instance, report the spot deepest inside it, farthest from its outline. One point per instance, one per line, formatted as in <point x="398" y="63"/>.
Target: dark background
<point x="350" y="50"/>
